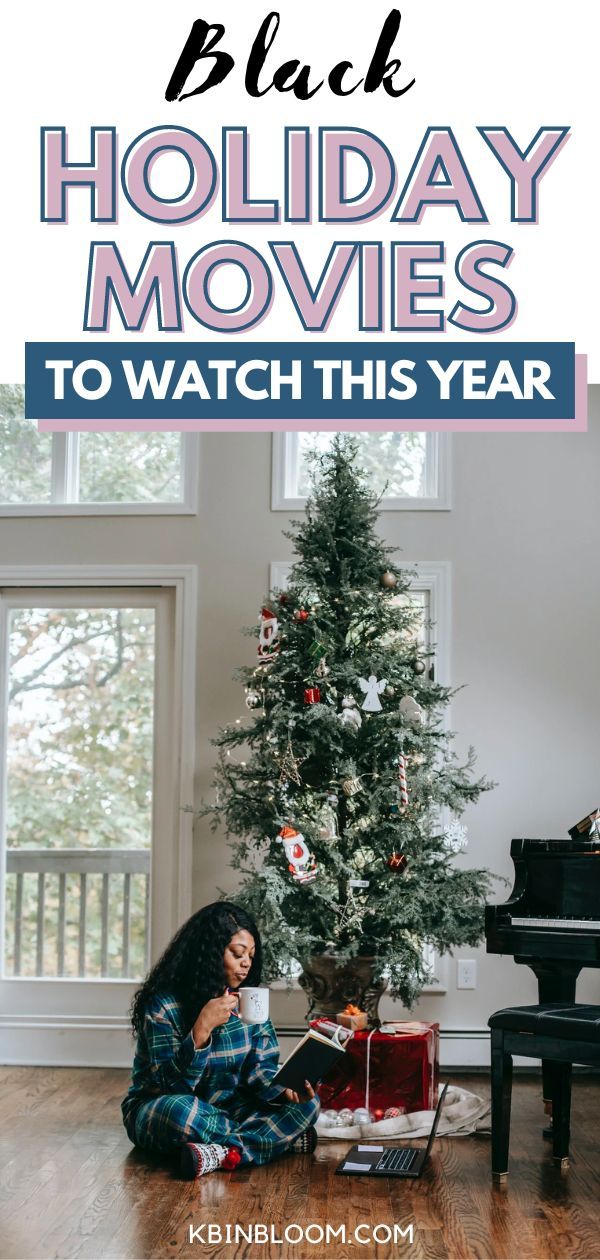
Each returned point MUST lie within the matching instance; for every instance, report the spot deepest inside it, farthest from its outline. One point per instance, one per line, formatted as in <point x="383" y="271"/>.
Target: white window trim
<point x="284" y="460"/>
<point x="64" y="483"/>
<point x="433" y="576"/>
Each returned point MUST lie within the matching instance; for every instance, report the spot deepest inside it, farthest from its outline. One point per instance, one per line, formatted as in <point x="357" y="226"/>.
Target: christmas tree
<point x="342" y="788"/>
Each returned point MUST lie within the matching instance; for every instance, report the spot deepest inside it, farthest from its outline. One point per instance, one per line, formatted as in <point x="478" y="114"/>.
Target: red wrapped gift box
<point x="402" y="1071"/>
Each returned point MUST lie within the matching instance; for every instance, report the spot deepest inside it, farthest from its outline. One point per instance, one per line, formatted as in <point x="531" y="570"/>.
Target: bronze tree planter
<point x="330" y="984"/>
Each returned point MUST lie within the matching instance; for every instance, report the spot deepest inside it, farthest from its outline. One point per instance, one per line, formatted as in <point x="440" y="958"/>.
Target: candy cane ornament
<point x="402" y="778"/>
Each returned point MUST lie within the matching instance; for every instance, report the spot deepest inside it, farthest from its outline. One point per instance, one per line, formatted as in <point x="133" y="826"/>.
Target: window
<point x="411" y="470"/>
<point x="91" y="473"/>
<point x="429" y="592"/>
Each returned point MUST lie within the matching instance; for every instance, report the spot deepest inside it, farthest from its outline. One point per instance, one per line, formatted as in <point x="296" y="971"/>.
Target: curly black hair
<point x="191" y="967"/>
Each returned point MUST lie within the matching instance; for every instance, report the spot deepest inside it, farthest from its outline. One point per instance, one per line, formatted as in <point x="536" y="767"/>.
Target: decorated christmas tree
<point x="341" y="788"/>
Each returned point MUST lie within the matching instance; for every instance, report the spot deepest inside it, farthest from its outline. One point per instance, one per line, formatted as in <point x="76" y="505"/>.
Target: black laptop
<point x="391" y="1161"/>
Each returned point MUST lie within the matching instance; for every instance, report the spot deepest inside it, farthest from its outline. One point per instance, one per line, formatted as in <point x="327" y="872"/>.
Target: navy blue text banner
<point x="271" y="385"/>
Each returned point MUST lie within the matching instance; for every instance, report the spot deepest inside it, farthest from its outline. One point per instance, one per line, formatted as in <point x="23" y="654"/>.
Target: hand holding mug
<point x="213" y="1013"/>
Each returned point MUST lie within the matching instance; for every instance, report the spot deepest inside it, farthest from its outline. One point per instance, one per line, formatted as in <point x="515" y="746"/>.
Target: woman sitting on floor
<point x="200" y="1083"/>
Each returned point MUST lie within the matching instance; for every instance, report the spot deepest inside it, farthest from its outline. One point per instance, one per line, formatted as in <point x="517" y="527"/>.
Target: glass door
<point x="87" y="794"/>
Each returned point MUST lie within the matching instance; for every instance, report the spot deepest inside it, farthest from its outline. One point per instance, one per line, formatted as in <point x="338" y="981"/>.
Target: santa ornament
<point x="301" y="862"/>
<point x="269" y="627"/>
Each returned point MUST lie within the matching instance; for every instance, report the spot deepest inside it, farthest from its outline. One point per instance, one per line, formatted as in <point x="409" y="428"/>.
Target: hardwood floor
<point x="71" y="1185"/>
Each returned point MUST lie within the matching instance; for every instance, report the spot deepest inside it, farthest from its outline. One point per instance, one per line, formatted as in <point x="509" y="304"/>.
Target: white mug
<point x="254" y="1005"/>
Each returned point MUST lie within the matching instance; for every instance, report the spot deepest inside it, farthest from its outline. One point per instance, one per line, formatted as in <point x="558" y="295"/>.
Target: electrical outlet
<point x="466" y="973"/>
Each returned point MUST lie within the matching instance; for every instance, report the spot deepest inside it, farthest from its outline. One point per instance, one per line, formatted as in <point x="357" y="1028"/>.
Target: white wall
<point x="523" y="540"/>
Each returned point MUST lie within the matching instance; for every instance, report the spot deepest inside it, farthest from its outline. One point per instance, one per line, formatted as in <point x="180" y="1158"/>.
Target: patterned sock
<point x="198" y="1158"/>
<point x="305" y="1143"/>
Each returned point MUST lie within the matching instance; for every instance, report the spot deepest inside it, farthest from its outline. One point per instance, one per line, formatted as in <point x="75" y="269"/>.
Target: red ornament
<point x="312" y="695"/>
<point x="301" y="614"/>
<point x="398" y="863"/>
<point x="284" y="598"/>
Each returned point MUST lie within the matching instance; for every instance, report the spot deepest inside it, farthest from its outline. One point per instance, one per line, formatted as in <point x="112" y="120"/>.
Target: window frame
<point x="64" y="480"/>
<point x="439" y="453"/>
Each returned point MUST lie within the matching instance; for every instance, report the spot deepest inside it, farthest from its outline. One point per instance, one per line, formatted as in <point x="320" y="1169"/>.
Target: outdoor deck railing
<point x="110" y="864"/>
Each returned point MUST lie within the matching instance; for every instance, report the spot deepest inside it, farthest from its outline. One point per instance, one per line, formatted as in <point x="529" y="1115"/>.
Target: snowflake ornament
<point x="455" y="837"/>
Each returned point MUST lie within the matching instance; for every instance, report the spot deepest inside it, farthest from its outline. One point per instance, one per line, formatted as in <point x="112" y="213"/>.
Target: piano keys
<point x="553" y="912"/>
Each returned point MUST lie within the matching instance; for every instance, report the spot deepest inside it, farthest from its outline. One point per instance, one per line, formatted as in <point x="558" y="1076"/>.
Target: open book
<point x="310" y="1060"/>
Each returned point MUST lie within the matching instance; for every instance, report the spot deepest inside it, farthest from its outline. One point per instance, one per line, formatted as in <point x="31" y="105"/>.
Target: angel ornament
<point x="372" y="689"/>
<point x="350" y="715"/>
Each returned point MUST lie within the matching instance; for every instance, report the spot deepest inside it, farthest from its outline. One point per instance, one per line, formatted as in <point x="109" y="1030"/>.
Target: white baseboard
<point x="66" y="1041"/>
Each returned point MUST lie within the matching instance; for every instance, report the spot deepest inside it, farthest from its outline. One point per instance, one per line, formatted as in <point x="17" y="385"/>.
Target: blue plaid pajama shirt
<point x="221" y="1093"/>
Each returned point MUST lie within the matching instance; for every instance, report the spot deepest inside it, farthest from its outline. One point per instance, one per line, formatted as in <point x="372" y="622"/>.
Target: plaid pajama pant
<point x="162" y="1124"/>
<point x="220" y="1093"/>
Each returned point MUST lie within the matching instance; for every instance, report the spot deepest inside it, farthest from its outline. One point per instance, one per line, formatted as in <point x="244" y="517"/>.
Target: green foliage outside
<point x="355" y="627"/>
<point x="392" y="462"/>
<point x="80" y="755"/>
<point x="25" y="454"/>
<point x="113" y="467"/>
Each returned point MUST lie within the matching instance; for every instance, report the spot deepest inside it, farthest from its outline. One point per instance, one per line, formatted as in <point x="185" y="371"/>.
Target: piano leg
<point x="557" y="982"/>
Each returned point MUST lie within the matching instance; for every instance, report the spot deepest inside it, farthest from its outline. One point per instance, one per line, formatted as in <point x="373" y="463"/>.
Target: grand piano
<point x="551" y="921"/>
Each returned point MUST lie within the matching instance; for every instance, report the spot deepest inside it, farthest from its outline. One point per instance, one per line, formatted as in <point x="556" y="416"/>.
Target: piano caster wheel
<point x="500" y="1179"/>
<point x="561" y="1162"/>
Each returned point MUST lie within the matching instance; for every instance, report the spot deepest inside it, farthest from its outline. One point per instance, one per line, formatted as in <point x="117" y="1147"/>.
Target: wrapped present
<point x="588" y="827"/>
<point x="352" y="1017"/>
<point x="392" y="1066"/>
